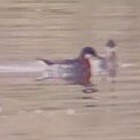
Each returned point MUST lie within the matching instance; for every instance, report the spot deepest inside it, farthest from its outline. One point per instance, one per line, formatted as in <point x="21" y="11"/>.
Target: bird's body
<point x="75" y="71"/>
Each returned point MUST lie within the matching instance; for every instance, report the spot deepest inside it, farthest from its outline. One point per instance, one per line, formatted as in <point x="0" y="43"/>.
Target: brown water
<point x="34" y="28"/>
<point x="53" y="29"/>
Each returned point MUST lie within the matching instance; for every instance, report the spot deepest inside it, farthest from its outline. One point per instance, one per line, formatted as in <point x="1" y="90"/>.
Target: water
<point x="58" y="29"/>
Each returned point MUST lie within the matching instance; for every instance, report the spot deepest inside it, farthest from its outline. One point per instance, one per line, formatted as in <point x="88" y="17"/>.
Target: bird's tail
<point x="44" y="61"/>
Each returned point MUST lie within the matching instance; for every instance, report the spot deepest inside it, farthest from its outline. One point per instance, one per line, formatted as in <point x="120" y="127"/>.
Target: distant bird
<point x="109" y="63"/>
<point x="75" y="71"/>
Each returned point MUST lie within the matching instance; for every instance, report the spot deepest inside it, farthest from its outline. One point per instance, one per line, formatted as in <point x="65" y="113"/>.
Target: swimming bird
<point x="75" y="71"/>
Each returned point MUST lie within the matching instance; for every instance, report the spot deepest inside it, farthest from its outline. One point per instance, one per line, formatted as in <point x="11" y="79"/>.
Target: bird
<point x="75" y="71"/>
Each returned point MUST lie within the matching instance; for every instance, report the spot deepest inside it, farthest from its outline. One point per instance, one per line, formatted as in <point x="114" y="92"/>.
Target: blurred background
<point x="58" y="29"/>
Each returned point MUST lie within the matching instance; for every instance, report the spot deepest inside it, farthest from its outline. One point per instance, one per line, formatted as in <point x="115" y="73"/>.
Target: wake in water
<point x="37" y="66"/>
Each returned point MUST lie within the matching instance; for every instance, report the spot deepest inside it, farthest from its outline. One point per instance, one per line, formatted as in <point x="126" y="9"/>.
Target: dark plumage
<point x="74" y="71"/>
<point x="88" y="50"/>
<point x="110" y="43"/>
